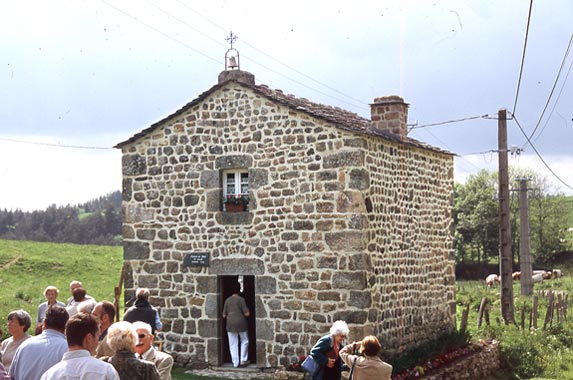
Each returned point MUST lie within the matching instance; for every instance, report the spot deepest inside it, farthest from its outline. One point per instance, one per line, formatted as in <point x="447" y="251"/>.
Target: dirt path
<point x="9" y="263"/>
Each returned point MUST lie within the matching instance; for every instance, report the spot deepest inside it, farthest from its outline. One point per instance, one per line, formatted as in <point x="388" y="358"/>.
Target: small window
<point x="235" y="190"/>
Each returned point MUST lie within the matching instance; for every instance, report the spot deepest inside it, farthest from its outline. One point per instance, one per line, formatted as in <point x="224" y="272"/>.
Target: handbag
<point x="310" y="365"/>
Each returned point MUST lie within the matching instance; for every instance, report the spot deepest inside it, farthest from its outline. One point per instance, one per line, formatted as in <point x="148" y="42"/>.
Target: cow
<point x="491" y="280"/>
<point x="545" y="274"/>
<point x="556" y="273"/>
<point x="516" y="275"/>
<point x="538" y="277"/>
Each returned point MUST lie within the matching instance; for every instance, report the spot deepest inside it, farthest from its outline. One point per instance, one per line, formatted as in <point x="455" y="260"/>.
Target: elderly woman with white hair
<point x="325" y="352"/>
<point x="122" y="338"/>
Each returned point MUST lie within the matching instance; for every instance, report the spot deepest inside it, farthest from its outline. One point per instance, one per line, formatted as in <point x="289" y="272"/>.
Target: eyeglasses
<point x="141" y="336"/>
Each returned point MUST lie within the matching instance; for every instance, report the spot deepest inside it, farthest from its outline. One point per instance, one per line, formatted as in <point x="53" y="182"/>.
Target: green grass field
<point x="26" y="268"/>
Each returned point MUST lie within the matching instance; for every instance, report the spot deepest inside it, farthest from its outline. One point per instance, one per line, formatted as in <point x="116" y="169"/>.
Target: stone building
<point x="345" y="218"/>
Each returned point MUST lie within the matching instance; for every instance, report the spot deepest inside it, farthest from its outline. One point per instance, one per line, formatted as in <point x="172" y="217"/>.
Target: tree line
<point x="476" y="219"/>
<point x="95" y="222"/>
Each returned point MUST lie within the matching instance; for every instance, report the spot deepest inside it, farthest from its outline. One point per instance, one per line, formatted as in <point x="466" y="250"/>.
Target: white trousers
<point x="234" y="346"/>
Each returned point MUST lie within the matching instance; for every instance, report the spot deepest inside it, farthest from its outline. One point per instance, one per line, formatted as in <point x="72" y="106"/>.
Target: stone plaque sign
<point x="196" y="259"/>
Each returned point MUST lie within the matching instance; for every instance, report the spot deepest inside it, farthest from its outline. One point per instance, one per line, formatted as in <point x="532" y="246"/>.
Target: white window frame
<point x="238" y="186"/>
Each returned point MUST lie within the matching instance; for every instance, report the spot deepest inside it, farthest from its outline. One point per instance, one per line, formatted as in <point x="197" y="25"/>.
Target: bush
<point x="522" y="352"/>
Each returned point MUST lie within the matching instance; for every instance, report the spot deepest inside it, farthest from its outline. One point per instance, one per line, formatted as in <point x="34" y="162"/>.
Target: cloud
<point x="36" y="176"/>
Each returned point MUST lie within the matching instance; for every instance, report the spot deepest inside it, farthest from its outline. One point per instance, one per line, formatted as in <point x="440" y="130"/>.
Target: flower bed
<point x="474" y="361"/>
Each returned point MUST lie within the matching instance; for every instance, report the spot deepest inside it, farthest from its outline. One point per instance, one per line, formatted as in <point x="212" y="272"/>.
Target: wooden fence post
<point x="549" y="314"/>
<point x="481" y="311"/>
<point x="535" y="311"/>
<point x="464" y="322"/>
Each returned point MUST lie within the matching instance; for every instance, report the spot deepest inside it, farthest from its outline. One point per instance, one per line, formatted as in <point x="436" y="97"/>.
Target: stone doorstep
<point x="229" y="372"/>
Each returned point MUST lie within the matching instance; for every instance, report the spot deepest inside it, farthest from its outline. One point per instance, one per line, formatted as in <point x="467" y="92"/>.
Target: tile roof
<point x="339" y="117"/>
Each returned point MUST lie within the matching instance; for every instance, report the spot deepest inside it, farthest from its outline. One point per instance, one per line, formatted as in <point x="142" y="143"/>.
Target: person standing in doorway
<point x="235" y="312"/>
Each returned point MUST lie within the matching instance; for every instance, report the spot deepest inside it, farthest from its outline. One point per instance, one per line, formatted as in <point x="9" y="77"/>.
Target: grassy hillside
<point x="26" y="268"/>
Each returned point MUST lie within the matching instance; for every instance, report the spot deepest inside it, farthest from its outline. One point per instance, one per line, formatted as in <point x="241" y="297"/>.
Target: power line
<point x="555" y="104"/>
<point x="160" y="32"/>
<point x="187" y="24"/>
<point x="523" y="57"/>
<point x="55" y="145"/>
<point x="361" y="105"/>
<point x="553" y="88"/>
<point x="273" y="58"/>
<point x="449" y="121"/>
<point x="477" y="153"/>
<point x="539" y="155"/>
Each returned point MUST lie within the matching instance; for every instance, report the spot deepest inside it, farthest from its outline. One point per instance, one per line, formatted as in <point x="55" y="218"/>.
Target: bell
<point x="232" y="64"/>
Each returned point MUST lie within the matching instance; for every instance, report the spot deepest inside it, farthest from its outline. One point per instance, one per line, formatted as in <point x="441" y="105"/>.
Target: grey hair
<point x="75" y="282"/>
<point x="339" y="328"/>
<point x="22" y="317"/>
<point x="86" y="306"/>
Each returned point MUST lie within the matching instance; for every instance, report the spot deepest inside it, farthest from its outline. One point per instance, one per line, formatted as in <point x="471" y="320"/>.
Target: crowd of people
<point x="79" y="340"/>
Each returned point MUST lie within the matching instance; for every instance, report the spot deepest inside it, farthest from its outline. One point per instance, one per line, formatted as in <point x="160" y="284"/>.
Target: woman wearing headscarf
<point x="367" y="366"/>
<point x="19" y="321"/>
<point x="326" y="352"/>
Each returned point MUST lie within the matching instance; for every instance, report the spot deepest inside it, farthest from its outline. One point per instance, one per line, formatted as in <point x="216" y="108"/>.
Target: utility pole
<point x="505" y="259"/>
<point x="524" y="243"/>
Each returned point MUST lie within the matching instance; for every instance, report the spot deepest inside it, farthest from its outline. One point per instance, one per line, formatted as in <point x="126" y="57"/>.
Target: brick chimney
<point x="390" y="114"/>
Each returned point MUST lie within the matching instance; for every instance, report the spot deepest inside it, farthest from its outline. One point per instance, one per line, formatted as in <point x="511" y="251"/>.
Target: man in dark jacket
<point x="143" y="311"/>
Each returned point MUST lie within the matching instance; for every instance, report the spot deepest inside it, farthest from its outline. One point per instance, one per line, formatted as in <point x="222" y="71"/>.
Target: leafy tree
<point x="476" y="221"/>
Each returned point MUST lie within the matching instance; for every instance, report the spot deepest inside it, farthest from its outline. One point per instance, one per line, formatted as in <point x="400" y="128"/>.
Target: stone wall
<point x="473" y="367"/>
<point x="410" y="244"/>
<point x="340" y="226"/>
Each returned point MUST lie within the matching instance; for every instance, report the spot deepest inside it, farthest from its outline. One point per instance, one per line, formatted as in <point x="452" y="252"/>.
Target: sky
<point x="79" y="76"/>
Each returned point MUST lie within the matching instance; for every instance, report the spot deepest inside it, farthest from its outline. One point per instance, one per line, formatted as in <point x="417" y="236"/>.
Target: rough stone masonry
<point x="348" y="218"/>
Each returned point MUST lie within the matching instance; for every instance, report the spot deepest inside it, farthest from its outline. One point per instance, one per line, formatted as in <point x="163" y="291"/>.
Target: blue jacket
<point x="321" y="347"/>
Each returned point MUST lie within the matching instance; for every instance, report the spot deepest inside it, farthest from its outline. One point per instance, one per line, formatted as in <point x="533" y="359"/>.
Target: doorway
<point x="248" y="293"/>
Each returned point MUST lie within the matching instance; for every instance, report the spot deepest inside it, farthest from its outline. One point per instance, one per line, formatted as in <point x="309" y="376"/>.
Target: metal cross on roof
<point x="231" y="38"/>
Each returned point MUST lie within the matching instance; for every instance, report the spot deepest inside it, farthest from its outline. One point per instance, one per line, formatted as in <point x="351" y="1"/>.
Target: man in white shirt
<point x="145" y="350"/>
<point x="82" y="334"/>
